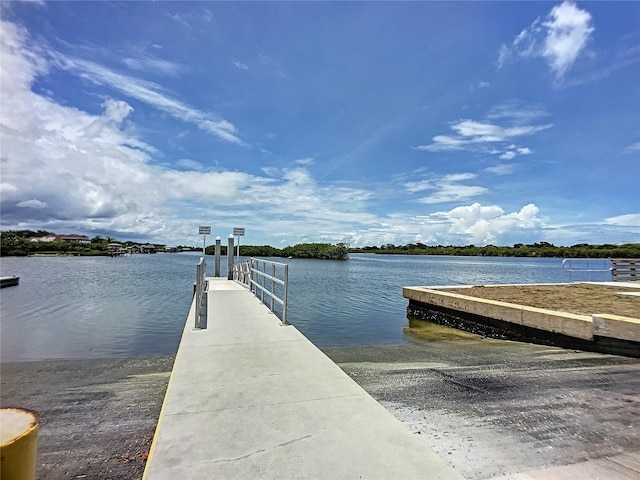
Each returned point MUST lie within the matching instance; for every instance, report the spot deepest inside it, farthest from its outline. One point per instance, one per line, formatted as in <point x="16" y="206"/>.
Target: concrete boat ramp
<point x="251" y="398"/>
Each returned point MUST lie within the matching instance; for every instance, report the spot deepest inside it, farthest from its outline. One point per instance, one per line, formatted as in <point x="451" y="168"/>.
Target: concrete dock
<point x="250" y="398"/>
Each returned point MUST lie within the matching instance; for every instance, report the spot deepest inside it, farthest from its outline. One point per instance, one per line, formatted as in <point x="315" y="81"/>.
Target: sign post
<point x="204" y="231"/>
<point x="238" y="232"/>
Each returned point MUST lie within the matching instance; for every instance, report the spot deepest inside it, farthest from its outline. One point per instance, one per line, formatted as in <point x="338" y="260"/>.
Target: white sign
<point x="237" y="232"/>
<point x="205" y="231"/>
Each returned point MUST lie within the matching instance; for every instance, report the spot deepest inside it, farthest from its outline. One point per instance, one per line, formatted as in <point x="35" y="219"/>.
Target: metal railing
<point x="200" y="297"/>
<point x="265" y="278"/>
<point x="587" y="267"/>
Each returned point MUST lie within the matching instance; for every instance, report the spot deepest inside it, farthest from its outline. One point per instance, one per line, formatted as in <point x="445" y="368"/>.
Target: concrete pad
<point x="251" y="398"/>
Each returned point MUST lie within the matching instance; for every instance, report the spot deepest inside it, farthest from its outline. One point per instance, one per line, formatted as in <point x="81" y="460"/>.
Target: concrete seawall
<point x="598" y="332"/>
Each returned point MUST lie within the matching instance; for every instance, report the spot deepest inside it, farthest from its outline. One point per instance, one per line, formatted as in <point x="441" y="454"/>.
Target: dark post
<point x="230" y="258"/>
<point x="217" y="261"/>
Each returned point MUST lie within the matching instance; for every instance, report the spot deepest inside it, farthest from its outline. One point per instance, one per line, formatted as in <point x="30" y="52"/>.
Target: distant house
<point x="73" y="238"/>
<point x="148" y="248"/>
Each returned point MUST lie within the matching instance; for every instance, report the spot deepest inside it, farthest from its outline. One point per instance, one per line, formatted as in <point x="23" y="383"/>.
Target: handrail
<point x="584" y="265"/>
<point x="253" y="274"/>
<point x="200" y="288"/>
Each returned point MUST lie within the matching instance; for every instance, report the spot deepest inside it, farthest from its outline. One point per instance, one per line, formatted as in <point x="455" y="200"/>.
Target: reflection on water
<point x="433" y="332"/>
<point x="77" y="307"/>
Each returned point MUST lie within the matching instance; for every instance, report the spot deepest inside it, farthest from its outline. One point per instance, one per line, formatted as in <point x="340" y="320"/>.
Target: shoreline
<point x="98" y="416"/>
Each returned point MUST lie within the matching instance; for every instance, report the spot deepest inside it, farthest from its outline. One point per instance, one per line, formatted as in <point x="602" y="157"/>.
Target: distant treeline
<point x="15" y="243"/>
<point x="327" y="251"/>
<point x="542" y="249"/>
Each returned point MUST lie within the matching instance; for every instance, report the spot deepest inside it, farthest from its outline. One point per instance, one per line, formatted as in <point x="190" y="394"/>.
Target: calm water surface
<point x="81" y="307"/>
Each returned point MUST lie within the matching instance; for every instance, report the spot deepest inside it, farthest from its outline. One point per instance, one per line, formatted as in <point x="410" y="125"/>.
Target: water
<point x="93" y="307"/>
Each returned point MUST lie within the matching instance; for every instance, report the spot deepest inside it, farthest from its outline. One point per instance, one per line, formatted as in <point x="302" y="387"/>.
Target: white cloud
<point x="560" y="39"/>
<point x="634" y="147"/>
<point x="305" y="161"/>
<point x="446" y="189"/>
<point x="485" y="224"/>
<point x="239" y="65"/>
<point x="480" y="132"/>
<point x="512" y="151"/>
<point x="445" y="142"/>
<point x="116" y="111"/>
<point x="517" y="112"/>
<point x="143" y="62"/>
<point x="629" y="220"/>
<point x="149" y="93"/>
<point x="189" y="164"/>
<point x="63" y="168"/>
<point x="473" y="134"/>
<point x="502" y="169"/>
<point x="420" y="186"/>
<point x="568" y="32"/>
<point x="484" y="85"/>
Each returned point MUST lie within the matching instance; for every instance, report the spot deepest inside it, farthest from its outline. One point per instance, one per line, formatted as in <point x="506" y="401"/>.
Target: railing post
<point x="217" y="259"/>
<point x="284" y="294"/>
<point x="254" y="277"/>
<point x="264" y="270"/>
<point x="273" y="282"/>
<point x="230" y="257"/>
<point x="197" y="297"/>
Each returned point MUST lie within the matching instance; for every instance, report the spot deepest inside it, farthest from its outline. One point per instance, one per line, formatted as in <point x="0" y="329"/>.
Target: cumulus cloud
<point x="64" y="168"/>
<point x="485" y="224"/>
<point x="560" y="39"/>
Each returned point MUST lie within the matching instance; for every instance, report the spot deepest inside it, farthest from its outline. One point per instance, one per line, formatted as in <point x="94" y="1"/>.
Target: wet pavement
<point x="495" y="407"/>
<point x="97" y="416"/>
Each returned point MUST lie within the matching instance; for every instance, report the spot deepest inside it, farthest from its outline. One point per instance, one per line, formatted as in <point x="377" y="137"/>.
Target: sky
<point x="444" y="123"/>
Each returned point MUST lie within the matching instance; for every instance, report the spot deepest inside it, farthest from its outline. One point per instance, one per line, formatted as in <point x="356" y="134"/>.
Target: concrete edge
<point x="190" y="321"/>
<point x="577" y="326"/>
<point x="616" y="326"/>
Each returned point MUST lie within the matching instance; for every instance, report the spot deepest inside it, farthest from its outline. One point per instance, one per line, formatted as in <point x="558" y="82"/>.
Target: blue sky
<point x="364" y="122"/>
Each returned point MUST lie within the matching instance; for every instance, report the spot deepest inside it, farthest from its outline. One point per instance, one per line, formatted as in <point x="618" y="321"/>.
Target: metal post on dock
<point x="217" y="260"/>
<point x="230" y="258"/>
